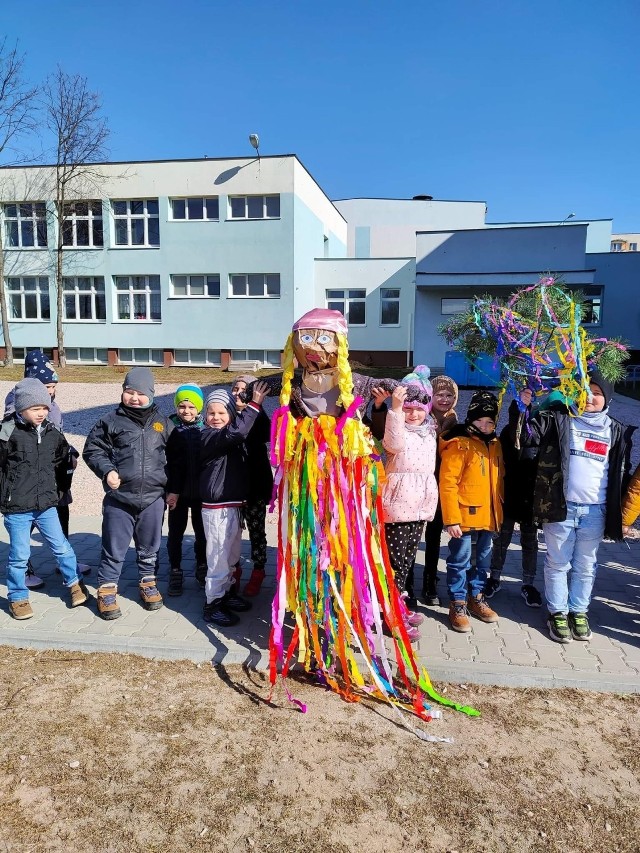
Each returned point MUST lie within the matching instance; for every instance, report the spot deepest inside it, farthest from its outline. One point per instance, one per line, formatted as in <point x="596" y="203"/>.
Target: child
<point x="223" y="489"/>
<point x="631" y="503"/>
<point x="37" y="366"/>
<point x="260" y="487"/>
<point x="583" y="464"/>
<point x="519" y="478"/>
<point x="410" y="495"/>
<point x="33" y="471"/>
<point x="126" y="449"/>
<point x="471" y="474"/>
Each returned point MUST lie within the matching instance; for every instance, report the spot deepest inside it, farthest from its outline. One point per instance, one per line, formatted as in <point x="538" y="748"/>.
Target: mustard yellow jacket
<point x="471" y="481"/>
<point x="631" y="502"/>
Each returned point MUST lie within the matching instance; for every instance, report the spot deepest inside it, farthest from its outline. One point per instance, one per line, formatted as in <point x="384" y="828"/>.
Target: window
<point x="592" y="306"/>
<point x="28" y="298"/>
<point x="633" y="247"/>
<point x="351" y="303"/>
<point x="198" y="357"/>
<point x="138" y="297"/>
<point x="254" y="206"/>
<point x="194" y="286"/>
<point x="25" y="225"/>
<point x="19" y="353"/>
<point x="84" y="298"/>
<point x="195" y="208"/>
<point x="269" y="357"/>
<point x="389" y="307"/>
<point x="256" y="285"/>
<point x="141" y="356"/>
<point x="136" y="222"/>
<point x="616" y="247"/>
<point x="86" y="355"/>
<point x="82" y="224"/>
<point x="454" y="306"/>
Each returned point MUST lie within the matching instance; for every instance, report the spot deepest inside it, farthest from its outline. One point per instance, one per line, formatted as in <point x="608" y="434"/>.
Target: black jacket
<point x="519" y="477"/>
<point x="183" y="460"/>
<point x="136" y="452"/>
<point x="549" y="431"/>
<point x="33" y="469"/>
<point x="259" y="467"/>
<point x="223" y="460"/>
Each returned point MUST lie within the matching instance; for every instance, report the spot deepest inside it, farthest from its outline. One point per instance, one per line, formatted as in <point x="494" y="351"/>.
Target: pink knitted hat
<point x="419" y="378"/>
<point x="322" y="318"/>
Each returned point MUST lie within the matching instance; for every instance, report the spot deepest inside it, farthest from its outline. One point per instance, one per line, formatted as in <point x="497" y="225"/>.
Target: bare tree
<point x="17" y="120"/>
<point x="74" y="116"/>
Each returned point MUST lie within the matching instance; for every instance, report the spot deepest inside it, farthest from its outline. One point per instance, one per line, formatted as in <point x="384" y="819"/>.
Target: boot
<point x="21" y="609"/>
<point x="478" y="607"/>
<point x="253" y="585"/>
<point x="217" y="614"/>
<point x="175" y="582"/>
<point x="458" y="617"/>
<point x="149" y="595"/>
<point x="79" y="593"/>
<point x="429" y="592"/>
<point x="108" y="602"/>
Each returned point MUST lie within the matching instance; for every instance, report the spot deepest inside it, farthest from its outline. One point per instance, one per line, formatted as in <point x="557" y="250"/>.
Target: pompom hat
<point x="419" y="378"/>
<point x="191" y="393"/>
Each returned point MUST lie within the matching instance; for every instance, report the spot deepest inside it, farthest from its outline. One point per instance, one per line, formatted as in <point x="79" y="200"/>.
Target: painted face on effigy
<point x="315" y="349"/>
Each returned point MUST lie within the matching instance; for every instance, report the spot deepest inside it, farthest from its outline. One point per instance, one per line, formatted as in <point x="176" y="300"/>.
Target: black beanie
<point x="605" y="386"/>
<point x="483" y="404"/>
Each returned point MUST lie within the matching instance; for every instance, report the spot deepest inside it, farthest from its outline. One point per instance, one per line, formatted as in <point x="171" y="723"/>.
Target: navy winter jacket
<point x="223" y="460"/>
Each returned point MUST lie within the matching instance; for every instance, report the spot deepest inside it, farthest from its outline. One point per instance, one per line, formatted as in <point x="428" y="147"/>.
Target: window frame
<point x="71" y="360"/>
<point x="592" y="298"/>
<point x="247" y="295"/>
<point x="77" y="292"/>
<point x="133" y="291"/>
<point x="186" y="200"/>
<point x="191" y="363"/>
<point x="246" y="197"/>
<point x="467" y="300"/>
<point x="263" y="360"/>
<point x="189" y="276"/>
<point x="390" y="299"/>
<point x="72" y="219"/>
<point x="346" y="301"/>
<point x="148" y="350"/>
<point x="37" y="291"/>
<point x="130" y="217"/>
<point x="34" y="219"/>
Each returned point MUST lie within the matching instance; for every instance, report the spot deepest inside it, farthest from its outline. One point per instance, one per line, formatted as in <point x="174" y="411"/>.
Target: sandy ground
<point x="116" y="753"/>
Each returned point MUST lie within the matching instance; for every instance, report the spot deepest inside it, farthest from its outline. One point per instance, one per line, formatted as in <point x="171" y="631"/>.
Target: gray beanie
<point x="31" y="392"/>
<point x="221" y="395"/>
<point x="140" y="379"/>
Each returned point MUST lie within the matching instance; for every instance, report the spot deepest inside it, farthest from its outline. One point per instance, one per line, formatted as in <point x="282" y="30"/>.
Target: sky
<point x="528" y="105"/>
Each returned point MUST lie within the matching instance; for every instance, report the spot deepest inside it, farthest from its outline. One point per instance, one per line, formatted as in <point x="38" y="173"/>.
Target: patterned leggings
<point x="255" y="515"/>
<point x="403" y="538"/>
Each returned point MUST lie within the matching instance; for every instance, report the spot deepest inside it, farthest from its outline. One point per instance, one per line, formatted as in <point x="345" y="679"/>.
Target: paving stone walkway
<point x="515" y="652"/>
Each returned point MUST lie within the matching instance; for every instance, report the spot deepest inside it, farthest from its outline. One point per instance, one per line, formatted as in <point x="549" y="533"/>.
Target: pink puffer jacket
<point x="411" y="491"/>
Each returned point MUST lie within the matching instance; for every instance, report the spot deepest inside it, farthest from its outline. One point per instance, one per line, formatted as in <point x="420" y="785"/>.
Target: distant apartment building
<point x="625" y="242"/>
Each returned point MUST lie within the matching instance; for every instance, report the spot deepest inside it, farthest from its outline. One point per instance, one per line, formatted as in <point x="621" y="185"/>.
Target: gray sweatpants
<point x="121" y="524"/>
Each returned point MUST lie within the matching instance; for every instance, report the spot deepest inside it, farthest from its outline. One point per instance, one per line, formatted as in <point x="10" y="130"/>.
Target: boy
<point x="33" y="471"/>
<point x="583" y="465"/>
<point x="126" y="449"/>
<point x="471" y="487"/>
<point x="183" y="472"/>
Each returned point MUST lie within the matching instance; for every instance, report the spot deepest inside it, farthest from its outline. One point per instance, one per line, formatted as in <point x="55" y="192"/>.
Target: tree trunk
<point x="3" y="311"/>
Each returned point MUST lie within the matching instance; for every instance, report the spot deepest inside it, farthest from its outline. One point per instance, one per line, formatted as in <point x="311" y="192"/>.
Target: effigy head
<point x="316" y="339"/>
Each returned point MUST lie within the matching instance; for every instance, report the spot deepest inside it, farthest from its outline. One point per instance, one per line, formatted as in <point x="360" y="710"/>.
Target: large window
<point x="389" y="307"/>
<point x="351" y="303"/>
<point x="84" y="298"/>
<point x="141" y="356"/>
<point x="195" y="208"/>
<point x="82" y="224"/>
<point x="136" y="222"/>
<point x="254" y="206"/>
<point x="138" y="297"/>
<point x="195" y="286"/>
<point x="255" y="285"/>
<point x="86" y="355"/>
<point x="268" y="357"/>
<point x="28" y="298"/>
<point x="198" y="357"/>
<point x="25" y="225"/>
<point x="592" y="305"/>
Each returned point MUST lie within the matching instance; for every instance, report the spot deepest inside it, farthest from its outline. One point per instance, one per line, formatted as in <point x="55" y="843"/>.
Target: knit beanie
<point x="419" y="378"/>
<point x="605" y="386"/>
<point x="483" y="404"/>
<point x="38" y="366"/>
<point x="445" y="383"/>
<point x="191" y="393"/>
<point x="140" y="379"/>
<point x="30" y="392"/>
<point x="221" y="395"/>
<point x="247" y="378"/>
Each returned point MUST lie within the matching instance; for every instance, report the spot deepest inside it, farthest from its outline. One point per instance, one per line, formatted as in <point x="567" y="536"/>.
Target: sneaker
<point x="579" y="626"/>
<point x="478" y="607"/>
<point x="175" y="582"/>
<point x="458" y="618"/>
<point x="254" y="584"/>
<point x="21" y="609"/>
<point x="149" y="595"/>
<point x="79" y="593"/>
<point x="236" y="602"/>
<point x="218" y="614"/>
<point x="32" y="580"/>
<point x="492" y="585"/>
<point x="107" y="602"/>
<point x="201" y="574"/>
<point x="413" y="634"/>
<point x="559" y="628"/>
<point x="531" y="595"/>
<point x="411" y="617"/>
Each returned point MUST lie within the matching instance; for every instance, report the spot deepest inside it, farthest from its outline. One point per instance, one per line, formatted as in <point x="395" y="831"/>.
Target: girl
<point x="411" y="493"/>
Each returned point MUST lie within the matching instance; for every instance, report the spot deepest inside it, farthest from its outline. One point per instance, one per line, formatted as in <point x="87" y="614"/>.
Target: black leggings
<point x="403" y="538"/>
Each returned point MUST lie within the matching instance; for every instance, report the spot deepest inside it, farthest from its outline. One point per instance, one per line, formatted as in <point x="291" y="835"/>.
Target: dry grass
<point x="177" y="757"/>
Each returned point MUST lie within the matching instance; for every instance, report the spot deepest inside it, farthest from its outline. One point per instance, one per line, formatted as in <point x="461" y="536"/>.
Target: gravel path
<point x="84" y="403"/>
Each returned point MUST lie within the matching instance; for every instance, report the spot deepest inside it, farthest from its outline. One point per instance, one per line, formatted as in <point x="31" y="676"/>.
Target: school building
<point x="209" y="262"/>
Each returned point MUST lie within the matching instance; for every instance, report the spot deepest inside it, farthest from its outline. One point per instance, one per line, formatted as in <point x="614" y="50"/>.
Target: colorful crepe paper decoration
<point x="538" y="339"/>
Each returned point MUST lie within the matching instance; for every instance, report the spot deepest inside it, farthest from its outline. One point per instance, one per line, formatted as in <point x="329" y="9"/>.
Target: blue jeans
<point x="460" y="572"/>
<point x="572" y="548"/>
<point x="18" y="527"/>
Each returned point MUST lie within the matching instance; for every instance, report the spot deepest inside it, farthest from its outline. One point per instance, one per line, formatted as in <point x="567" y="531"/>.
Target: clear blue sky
<point x="530" y="106"/>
